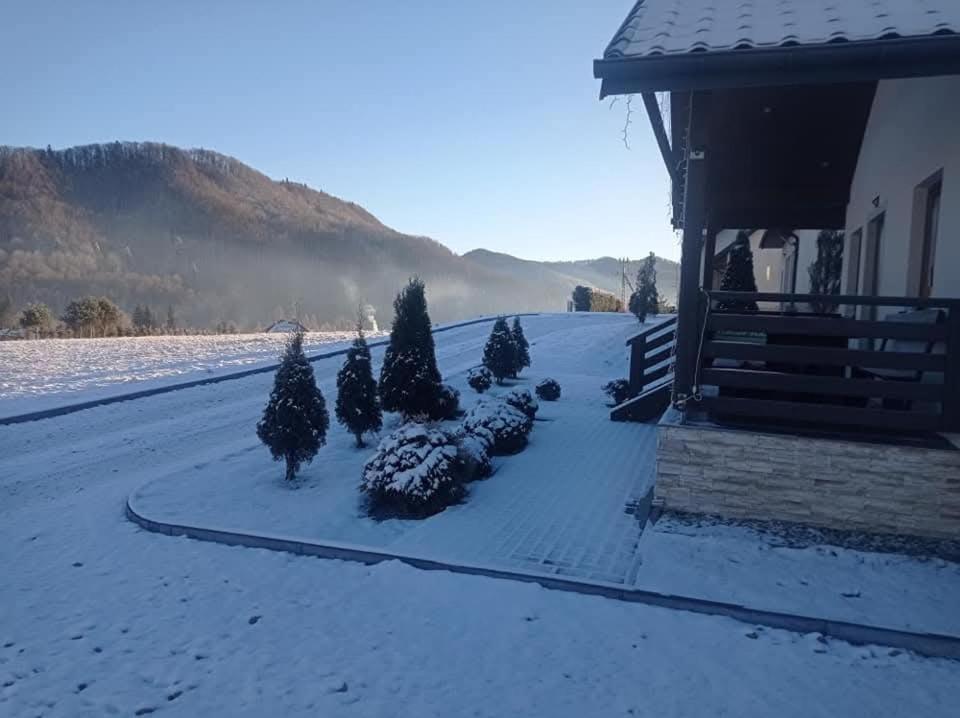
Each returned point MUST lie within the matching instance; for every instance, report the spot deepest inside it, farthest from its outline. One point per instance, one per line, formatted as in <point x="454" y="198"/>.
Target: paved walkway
<point x="561" y="506"/>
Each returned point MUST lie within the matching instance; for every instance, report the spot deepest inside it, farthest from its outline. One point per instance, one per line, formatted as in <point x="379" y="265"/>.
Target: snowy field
<point x="98" y="617"/>
<point x="41" y="374"/>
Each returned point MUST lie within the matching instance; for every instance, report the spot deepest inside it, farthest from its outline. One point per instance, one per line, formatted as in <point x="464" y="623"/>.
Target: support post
<point x="951" y="379"/>
<point x="638" y="354"/>
<point x="694" y="222"/>
<point x="709" y="254"/>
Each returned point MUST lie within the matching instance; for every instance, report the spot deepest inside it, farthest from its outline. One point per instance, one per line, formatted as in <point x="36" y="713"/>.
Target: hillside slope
<point x="151" y="223"/>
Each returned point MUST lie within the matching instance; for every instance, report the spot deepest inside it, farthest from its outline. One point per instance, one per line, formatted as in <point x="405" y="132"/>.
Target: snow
<point x="98" y="617"/>
<point x="45" y="373"/>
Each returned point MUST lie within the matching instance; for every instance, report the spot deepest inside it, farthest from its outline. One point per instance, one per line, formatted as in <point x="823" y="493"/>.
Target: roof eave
<point x="826" y="63"/>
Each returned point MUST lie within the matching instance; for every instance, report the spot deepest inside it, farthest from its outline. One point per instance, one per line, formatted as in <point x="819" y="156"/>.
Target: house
<point x="285" y="325"/>
<point x="810" y="115"/>
<point x="781" y="259"/>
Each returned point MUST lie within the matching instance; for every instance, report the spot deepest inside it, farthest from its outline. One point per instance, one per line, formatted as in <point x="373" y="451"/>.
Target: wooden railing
<point x="899" y="372"/>
<point x="650" y="354"/>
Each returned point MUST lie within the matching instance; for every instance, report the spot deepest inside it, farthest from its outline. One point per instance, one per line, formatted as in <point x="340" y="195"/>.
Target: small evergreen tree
<point x="81" y="315"/>
<point x="295" y="421"/>
<point x="171" y="319"/>
<point x="499" y="353"/>
<point x="358" y="407"/>
<point x="645" y="299"/>
<point x="521" y="348"/>
<point x="826" y="269"/>
<point x="738" y="276"/>
<point x="582" y="298"/>
<point x="409" y="378"/>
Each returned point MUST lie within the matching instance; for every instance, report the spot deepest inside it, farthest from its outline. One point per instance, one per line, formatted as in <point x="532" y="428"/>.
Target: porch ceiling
<point x="780" y="156"/>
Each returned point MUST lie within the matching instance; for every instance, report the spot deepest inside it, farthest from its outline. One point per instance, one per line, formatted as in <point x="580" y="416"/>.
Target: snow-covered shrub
<point x="415" y="471"/>
<point x="448" y="402"/>
<point x="474" y="453"/>
<point x="618" y="390"/>
<point x="548" y="390"/>
<point x="480" y="379"/>
<point x="499" y="423"/>
<point x="522" y="400"/>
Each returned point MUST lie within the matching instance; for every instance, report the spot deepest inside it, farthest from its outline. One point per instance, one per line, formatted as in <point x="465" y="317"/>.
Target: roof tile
<point x="664" y="27"/>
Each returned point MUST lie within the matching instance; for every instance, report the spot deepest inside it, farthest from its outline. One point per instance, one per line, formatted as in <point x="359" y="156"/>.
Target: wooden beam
<point x="828" y="326"/>
<point x="709" y="255"/>
<point x="825" y="356"/>
<point x="694" y="221"/>
<point x="823" y="415"/>
<point x="785" y="382"/>
<point x="656" y="121"/>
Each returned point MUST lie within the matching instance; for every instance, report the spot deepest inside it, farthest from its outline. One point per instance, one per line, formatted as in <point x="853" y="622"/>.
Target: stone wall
<point x="818" y="482"/>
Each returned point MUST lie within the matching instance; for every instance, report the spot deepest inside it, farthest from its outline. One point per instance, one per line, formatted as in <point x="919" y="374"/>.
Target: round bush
<point x="618" y="390"/>
<point x="480" y="379"/>
<point x="474" y="454"/>
<point x="504" y="427"/>
<point x="522" y="400"/>
<point x="548" y="390"/>
<point x="448" y="403"/>
<point x="416" y="471"/>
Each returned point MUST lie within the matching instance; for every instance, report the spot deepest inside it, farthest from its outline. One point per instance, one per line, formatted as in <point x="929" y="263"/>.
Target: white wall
<point x="913" y="132"/>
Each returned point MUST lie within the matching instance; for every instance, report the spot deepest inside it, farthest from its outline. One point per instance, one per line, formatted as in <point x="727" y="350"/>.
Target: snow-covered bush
<point x="448" y="403"/>
<point x="416" y="471"/>
<point x="548" y="390"/>
<point x="618" y="390"/>
<point x="522" y="400"/>
<point x="504" y="427"/>
<point x="474" y="453"/>
<point x="480" y="379"/>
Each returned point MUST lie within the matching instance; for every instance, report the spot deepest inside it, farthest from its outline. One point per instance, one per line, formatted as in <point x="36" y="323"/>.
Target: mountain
<point x="147" y="223"/>
<point x="557" y="279"/>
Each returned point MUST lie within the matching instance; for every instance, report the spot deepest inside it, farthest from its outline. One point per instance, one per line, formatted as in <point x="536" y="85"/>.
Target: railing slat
<point x="829" y="356"/>
<point x="823" y="416"/>
<point x="829" y="385"/>
<point x="826" y="326"/>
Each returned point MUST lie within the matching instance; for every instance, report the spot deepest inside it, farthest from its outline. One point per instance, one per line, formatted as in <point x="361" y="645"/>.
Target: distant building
<point x="285" y="325"/>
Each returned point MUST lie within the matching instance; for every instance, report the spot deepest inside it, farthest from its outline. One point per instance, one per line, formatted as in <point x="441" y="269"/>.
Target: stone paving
<point x="571" y="504"/>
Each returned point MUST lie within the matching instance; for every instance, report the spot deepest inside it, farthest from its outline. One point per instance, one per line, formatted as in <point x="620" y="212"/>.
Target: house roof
<point x="703" y="44"/>
<point x="664" y="27"/>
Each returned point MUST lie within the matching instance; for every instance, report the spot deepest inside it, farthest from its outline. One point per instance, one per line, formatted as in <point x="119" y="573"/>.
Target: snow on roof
<point x="670" y="27"/>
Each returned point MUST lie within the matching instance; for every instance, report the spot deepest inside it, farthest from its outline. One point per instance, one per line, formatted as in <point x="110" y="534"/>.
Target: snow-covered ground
<point x="41" y="374"/>
<point x="98" y="617"/>
<point x="555" y="507"/>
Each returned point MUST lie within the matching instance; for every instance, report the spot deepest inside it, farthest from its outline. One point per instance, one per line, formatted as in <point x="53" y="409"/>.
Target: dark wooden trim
<point x="829" y="385"/>
<point x="822" y="415"/>
<point x="656" y="375"/>
<point x="826" y="326"/>
<point x="824" y="63"/>
<point x="660" y="341"/>
<point x="694" y="221"/>
<point x="709" y="255"/>
<point x="637" y="351"/>
<point x="666" y="324"/>
<point x="951" y="379"/>
<point x="828" y="356"/>
<point x="656" y="122"/>
<point x="849" y="299"/>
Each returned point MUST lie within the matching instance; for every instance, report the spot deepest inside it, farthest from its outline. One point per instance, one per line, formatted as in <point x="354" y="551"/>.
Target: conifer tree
<point x="295" y="421"/>
<point x="499" y="353"/>
<point x="825" y="270"/>
<point x="409" y="378"/>
<point x="738" y="276"/>
<point x="358" y="407"/>
<point x="645" y="299"/>
<point x="521" y="348"/>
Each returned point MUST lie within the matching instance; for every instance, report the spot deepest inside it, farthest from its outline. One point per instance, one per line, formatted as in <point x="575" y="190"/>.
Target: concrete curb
<point x="926" y="644"/>
<point x="144" y="393"/>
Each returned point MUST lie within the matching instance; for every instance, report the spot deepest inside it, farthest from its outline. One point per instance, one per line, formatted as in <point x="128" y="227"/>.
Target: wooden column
<point x="709" y="253"/>
<point x="694" y="222"/>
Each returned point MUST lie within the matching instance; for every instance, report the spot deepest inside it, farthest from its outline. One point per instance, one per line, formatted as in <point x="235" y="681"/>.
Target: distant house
<point x="843" y="116"/>
<point x="285" y="325"/>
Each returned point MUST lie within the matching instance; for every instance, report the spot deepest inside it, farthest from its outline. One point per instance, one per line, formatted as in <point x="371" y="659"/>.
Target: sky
<point x="477" y="124"/>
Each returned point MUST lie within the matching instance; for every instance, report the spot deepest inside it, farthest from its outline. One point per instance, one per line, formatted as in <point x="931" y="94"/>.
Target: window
<point x="931" y="225"/>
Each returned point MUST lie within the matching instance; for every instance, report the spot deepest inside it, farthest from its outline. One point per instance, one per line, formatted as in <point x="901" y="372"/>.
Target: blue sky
<point x="477" y="124"/>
